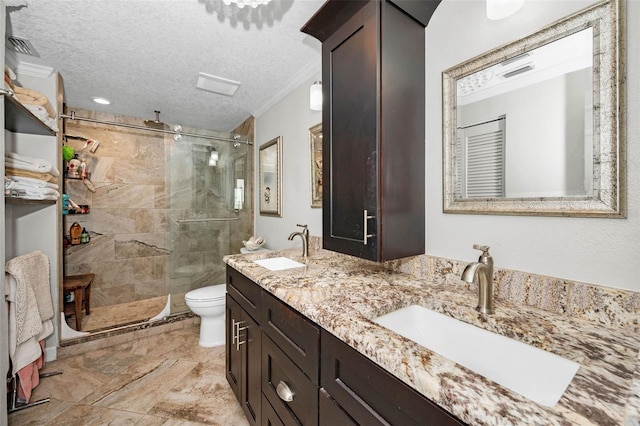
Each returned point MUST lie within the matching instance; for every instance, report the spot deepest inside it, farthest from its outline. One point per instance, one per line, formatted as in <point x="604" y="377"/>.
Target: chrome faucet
<point x="305" y="239"/>
<point x="483" y="268"/>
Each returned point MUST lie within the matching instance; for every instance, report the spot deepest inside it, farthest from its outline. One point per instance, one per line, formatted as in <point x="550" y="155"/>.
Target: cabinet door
<point x="250" y="337"/>
<point x="243" y="363"/>
<point x="370" y="394"/>
<point x="350" y="143"/>
<point x="233" y="357"/>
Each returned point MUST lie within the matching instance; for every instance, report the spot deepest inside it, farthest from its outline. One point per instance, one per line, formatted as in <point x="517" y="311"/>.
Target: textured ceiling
<point x="145" y="55"/>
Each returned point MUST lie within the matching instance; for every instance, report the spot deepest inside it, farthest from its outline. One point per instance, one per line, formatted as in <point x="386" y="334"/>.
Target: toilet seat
<point x="207" y="294"/>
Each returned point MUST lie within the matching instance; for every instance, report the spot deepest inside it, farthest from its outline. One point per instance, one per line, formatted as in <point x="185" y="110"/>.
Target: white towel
<point x="43" y="115"/>
<point x="28" y="181"/>
<point x="29" y="192"/>
<point x="32" y="164"/>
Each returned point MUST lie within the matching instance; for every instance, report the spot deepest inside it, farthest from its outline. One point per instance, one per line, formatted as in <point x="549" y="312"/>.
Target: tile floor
<point x="164" y="379"/>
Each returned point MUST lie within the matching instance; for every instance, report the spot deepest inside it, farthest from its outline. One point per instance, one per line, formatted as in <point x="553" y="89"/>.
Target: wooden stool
<point x="80" y="285"/>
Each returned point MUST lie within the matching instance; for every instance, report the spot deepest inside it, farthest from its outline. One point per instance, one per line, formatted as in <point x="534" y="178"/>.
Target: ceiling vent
<point x="21" y="45"/>
<point x="212" y="83"/>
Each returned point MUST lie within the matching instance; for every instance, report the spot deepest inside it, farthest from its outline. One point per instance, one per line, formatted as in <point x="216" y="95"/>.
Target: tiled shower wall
<point x="137" y="249"/>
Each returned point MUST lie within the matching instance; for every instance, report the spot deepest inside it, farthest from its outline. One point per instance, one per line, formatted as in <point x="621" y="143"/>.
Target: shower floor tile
<point x="106" y="317"/>
<point x="157" y="380"/>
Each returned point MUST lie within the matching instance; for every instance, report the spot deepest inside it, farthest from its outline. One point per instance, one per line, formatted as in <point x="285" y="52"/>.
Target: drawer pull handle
<point x="236" y="334"/>
<point x="284" y="392"/>
<point x="233" y="331"/>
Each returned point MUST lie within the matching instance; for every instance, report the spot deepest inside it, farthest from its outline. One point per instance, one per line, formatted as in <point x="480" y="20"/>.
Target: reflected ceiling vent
<point x="21" y="45"/>
<point x="518" y="71"/>
<point x="212" y="83"/>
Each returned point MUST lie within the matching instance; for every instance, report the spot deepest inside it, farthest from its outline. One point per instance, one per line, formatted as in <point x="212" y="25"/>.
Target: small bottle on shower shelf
<point x="84" y="237"/>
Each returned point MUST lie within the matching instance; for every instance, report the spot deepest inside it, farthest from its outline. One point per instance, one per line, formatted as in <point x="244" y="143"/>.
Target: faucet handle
<point x="485" y="257"/>
<point x="485" y="249"/>
<point x="304" y="227"/>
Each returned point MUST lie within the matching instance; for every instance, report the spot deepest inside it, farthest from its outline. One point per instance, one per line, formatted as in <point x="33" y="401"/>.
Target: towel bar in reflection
<point x="207" y="219"/>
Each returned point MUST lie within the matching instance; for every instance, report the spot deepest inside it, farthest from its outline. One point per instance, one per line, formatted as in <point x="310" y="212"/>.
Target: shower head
<point x="155" y="124"/>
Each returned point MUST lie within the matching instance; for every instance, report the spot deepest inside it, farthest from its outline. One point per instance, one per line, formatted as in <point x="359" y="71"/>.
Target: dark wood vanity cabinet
<point x="286" y="370"/>
<point x="272" y="353"/>
<point x="373" y="72"/>
<point x="243" y="339"/>
<point x="361" y="392"/>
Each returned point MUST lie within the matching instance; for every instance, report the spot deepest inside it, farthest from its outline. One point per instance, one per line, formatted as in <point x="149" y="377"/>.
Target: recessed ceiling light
<point x="101" y="101"/>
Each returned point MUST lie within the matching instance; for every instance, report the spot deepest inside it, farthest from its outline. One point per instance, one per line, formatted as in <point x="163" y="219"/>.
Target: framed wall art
<point x="270" y="178"/>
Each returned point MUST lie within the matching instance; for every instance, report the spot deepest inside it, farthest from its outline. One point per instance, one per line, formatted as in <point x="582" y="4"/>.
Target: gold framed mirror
<point x="315" y="147"/>
<point x="536" y="127"/>
<point x="270" y="179"/>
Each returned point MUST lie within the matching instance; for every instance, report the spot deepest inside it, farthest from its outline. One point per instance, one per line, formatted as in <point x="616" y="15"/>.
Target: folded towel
<point x="31" y="190"/>
<point x="32" y="164"/>
<point x="47" y="177"/>
<point x="42" y="114"/>
<point x="32" y="97"/>
<point x="32" y="182"/>
<point x="13" y="188"/>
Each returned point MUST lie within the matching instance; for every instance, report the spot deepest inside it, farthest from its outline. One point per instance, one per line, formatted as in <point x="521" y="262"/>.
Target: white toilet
<point x="209" y="304"/>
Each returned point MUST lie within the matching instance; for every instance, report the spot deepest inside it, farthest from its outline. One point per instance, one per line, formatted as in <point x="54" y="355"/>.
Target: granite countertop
<point x="343" y="294"/>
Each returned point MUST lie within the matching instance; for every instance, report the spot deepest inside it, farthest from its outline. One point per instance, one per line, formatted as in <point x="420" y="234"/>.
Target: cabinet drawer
<point x="245" y="292"/>
<point x="298" y="337"/>
<point x="269" y="415"/>
<point x="278" y="369"/>
<point x="330" y="413"/>
<point x="370" y="394"/>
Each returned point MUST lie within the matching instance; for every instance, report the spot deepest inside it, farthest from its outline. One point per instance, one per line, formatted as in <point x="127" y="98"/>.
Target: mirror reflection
<point x="525" y="125"/>
<point x="536" y="126"/>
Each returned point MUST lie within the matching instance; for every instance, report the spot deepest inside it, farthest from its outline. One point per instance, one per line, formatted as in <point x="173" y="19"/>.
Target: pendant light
<point x="315" y="96"/>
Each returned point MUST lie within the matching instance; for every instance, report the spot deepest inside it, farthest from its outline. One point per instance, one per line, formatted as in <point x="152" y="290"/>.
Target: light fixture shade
<point x="500" y="9"/>
<point x="315" y="96"/>
<point x="213" y="158"/>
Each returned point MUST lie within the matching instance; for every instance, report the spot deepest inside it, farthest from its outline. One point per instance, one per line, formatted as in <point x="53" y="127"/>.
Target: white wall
<point x="599" y="251"/>
<point x="290" y="118"/>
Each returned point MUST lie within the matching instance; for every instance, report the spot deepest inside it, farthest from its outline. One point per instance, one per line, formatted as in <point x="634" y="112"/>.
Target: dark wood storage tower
<point x="373" y="119"/>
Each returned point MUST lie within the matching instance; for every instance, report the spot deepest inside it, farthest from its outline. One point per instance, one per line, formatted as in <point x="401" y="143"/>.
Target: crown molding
<point x="293" y="83"/>
<point x="26" y="68"/>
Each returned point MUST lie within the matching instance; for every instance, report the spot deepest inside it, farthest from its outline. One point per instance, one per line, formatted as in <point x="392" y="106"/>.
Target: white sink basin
<point x="536" y="374"/>
<point x="278" y="263"/>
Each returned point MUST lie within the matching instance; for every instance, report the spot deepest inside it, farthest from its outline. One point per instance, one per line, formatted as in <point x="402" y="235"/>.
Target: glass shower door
<point x="209" y="211"/>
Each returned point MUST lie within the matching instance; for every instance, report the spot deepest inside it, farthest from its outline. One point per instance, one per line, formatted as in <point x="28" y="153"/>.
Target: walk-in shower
<point x="168" y="206"/>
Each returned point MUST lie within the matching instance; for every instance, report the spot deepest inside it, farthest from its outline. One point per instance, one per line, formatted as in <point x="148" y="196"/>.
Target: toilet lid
<point x="211" y="292"/>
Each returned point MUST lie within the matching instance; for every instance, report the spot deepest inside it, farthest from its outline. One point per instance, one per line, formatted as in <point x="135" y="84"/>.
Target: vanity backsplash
<point x="589" y="302"/>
